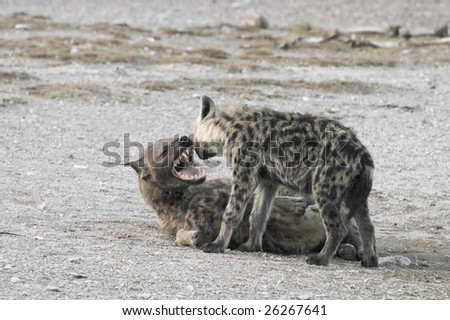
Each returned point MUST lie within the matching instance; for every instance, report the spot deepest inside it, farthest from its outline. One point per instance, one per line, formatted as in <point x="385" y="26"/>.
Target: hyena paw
<point x="247" y="247"/>
<point x="200" y="239"/>
<point x="348" y="252"/>
<point x="317" y="260"/>
<point x="213" y="247"/>
<point x="370" y="262"/>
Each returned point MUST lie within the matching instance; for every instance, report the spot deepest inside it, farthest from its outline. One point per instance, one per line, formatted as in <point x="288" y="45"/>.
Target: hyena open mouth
<point x="184" y="167"/>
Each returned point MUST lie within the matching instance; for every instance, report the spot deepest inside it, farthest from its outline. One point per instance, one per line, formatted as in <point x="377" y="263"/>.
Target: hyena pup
<point x="317" y="156"/>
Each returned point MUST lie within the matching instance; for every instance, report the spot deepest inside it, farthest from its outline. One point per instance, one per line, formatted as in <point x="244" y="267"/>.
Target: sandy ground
<point x="75" y="75"/>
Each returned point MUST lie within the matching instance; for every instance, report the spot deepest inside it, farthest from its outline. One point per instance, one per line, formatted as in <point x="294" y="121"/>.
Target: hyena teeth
<point x="185" y="156"/>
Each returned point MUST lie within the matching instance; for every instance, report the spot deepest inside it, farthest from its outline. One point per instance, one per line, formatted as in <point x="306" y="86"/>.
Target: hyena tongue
<point x="190" y="171"/>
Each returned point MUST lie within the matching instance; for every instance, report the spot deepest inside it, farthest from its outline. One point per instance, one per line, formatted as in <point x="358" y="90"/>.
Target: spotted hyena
<point x="317" y="156"/>
<point x="190" y="207"/>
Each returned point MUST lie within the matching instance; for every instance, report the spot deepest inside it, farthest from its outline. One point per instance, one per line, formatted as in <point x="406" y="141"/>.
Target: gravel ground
<point x="75" y="75"/>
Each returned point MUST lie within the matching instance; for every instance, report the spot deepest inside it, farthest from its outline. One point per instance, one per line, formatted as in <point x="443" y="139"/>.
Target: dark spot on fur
<point x="238" y="126"/>
<point x="262" y="173"/>
<point x="333" y="192"/>
<point x="297" y="141"/>
<point x="227" y="117"/>
<point x="250" y="132"/>
<point x="273" y="122"/>
<point x="233" y="136"/>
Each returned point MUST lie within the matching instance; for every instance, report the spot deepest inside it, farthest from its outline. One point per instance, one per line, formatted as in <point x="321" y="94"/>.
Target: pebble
<point x="145" y="296"/>
<point x="255" y="21"/>
<point x="190" y="287"/>
<point x="42" y="206"/>
<point x="394" y="261"/>
<point x="52" y="288"/>
<point x="16" y="279"/>
<point x="77" y="166"/>
<point x="22" y="26"/>
<point x="77" y="275"/>
<point x="76" y="260"/>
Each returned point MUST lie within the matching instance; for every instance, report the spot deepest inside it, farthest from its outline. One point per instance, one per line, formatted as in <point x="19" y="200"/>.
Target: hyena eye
<point x="146" y="177"/>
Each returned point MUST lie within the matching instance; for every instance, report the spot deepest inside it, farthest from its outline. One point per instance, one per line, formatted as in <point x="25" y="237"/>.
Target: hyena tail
<point x="357" y="203"/>
<point x="362" y="183"/>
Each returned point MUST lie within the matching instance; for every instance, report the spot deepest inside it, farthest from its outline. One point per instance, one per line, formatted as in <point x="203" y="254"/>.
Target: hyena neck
<point x="157" y="197"/>
<point x="167" y="204"/>
<point x="218" y="128"/>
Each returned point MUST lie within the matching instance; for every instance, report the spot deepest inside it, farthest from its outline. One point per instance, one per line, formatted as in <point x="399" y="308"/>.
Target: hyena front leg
<point x="264" y="195"/>
<point x="239" y="197"/>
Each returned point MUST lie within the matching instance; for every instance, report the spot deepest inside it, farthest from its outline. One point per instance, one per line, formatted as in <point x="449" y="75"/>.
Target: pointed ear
<point x="207" y="107"/>
<point x="135" y="165"/>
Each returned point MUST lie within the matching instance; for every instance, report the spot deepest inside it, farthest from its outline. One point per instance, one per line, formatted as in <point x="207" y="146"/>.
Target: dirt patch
<point x="122" y="43"/>
<point x="12" y="76"/>
<point x="69" y="91"/>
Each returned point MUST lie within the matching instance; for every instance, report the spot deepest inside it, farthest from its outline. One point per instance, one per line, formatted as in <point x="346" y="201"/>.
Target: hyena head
<point x="208" y="135"/>
<point x="168" y="165"/>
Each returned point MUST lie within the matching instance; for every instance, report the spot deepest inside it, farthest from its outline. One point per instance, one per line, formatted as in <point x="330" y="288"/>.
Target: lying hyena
<point x="317" y="156"/>
<point x="191" y="209"/>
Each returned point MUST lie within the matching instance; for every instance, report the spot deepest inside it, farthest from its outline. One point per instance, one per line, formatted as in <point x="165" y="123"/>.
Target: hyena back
<point x="317" y="156"/>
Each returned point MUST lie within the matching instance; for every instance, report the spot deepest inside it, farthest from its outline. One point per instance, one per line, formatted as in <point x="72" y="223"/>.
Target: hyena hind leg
<point x="335" y="232"/>
<point x="352" y="246"/>
<point x="357" y="203"/>
<point x="367" y="231"/>
<point x="265" y="193"/>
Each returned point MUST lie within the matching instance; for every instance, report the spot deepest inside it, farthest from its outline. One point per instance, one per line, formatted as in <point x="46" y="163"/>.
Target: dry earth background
<point x="77" y="74"/>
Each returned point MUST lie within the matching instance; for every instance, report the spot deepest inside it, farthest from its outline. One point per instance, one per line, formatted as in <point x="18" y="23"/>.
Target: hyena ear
<point x="136" y="165"/>
<point x="207" y="107"/>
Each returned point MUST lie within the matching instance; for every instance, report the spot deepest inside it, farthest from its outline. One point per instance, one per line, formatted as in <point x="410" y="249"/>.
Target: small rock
<point x="145" y="296"/>
<point x="16" y="279"/>
<point x="38" y="238"/>
<point x="394" y="261"/>
<point x="22" y="26"/>
<point x="52" y="288"/>
<point x="284" y="46"/>
<point x="255" y="21"/>
<point x="77" y="166"/>
<point x="76" y="260"/>
<point x="77" y="275"/>
<point x="442" y="32"/>
<point x="190" y="287"/>
<point x="42" y="206"/>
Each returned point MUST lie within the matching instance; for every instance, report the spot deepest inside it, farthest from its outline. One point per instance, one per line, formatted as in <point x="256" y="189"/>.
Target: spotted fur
<point x="317" y="156"/>
<point x="192" y="209"/>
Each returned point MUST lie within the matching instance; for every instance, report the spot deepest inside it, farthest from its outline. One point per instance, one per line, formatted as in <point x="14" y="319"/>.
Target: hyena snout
<point x="205" y="151"/>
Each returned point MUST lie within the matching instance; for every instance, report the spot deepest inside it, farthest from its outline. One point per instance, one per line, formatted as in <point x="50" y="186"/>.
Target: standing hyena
<point x="317" y="156"/>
